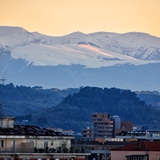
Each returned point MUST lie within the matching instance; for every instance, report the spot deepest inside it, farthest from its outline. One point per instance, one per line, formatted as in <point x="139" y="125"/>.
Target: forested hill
<point x="73" y="108"/>
<point x="22" y="100"/>
<point x="113" y="101"/>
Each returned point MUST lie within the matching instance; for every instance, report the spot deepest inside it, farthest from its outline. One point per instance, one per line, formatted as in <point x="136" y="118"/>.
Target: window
<point x="63" y="144"/>
<point x="1" y="143"/>
<point x="12" y="145"/>
<point x="45" y="144"/>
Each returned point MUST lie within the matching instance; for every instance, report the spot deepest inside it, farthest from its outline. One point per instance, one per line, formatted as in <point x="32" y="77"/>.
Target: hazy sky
<point x="60" y="17"/>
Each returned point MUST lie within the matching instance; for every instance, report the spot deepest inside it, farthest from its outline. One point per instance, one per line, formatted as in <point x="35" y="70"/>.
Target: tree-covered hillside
<point x="152" y="98"/>
<point x="75" y="111"/>
<point x="22" y="100"/>
<point x="73" y="108"/>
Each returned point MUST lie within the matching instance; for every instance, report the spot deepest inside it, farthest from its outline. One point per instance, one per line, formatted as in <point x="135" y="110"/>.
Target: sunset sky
<point x="61" y="17"/>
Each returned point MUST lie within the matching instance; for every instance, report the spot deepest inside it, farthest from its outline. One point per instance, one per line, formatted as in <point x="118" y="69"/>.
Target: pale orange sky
<point x="61" y="17"/>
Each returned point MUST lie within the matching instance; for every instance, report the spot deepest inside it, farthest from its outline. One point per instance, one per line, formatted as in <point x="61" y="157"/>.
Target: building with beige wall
<point x="25" y="138"/>
<point x="145" y="150"/>
<point x="102" y="125"/>
<point x="106" y="126"/>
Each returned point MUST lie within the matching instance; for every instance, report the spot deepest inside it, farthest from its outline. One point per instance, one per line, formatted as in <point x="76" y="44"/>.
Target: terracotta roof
<point x="140" y="146"/>
<point x="22" y="130"/>
<point x="152" y="146"/>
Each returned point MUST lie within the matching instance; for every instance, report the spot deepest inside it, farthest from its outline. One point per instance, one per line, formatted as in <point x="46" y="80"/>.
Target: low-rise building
<point x="144" y="150"/>
<point x="140" y="135"/>
<point x="126" y="126"/>
<point x="24" y="141"/>
<point x="99" y="148"/>
<point x="87" y="133"/>
<point x="25" y="138"/>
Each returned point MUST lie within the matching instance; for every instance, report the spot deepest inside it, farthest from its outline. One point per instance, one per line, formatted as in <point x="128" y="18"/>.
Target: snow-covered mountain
<point x="77" y="59"/>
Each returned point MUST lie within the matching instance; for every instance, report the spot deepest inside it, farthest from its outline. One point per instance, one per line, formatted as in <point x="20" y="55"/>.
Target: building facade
<point x="126" y="126"/>
<point x="25" y="138"/>
<point x="87" y="133"/>
<point x="34" y="143"/>
<point x="144" y="150"/>
<point x="106" y="126"/>
<point x="102" y="125"/>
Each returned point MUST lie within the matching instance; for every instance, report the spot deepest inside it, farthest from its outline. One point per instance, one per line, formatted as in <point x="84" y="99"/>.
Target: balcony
<point x="17" y="150"/>
<point x="42" y="150"/>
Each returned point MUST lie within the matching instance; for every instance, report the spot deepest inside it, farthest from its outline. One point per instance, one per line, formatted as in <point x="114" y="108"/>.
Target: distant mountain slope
<point x="151" y="98"/>
<point x="23" y="44"/>
<point x="35" y="59"/>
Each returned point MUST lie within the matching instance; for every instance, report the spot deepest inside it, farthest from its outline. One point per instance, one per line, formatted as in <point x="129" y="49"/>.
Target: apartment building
<point x="102" y="125"/>
<point x="106" y="126"/>
<point x="25" y="138"/>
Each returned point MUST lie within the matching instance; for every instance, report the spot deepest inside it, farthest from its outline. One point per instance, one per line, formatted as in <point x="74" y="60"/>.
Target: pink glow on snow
<point x="70" y="49"/>
<point x="63" y="48"/>
<point x="95" y="49"/>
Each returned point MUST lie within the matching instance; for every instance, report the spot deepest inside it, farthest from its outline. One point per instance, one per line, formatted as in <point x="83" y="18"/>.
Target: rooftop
<point x="140" y="146"/>
<point x="22" y="130"/>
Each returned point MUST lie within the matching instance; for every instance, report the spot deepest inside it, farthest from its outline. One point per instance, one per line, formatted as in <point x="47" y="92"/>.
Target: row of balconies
<point x="42" y="150"/>
<point x="104" y="128"/>
<point x="103" y="123"/>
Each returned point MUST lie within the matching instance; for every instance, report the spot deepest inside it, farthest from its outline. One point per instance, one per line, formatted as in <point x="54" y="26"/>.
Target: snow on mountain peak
<point x="76" y="34"/>
<point x="11" y="30"/>
<point x="13" y="36"/>
<point x="92" y="50"/>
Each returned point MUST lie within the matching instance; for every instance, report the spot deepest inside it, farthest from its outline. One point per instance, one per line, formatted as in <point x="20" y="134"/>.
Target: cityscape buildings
<point x="106" y="126"/>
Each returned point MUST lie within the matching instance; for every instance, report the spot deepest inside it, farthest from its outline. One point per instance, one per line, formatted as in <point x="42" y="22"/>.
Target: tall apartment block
<point x="102" y="125"/>
<point x="106" y="126"/>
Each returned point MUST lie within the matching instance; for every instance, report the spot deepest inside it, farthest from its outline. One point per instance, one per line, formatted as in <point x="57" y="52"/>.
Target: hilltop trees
<point x="73" y="108"/>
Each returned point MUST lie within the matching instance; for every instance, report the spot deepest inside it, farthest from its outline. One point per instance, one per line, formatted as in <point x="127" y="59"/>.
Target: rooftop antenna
<point x="3" y="80"/>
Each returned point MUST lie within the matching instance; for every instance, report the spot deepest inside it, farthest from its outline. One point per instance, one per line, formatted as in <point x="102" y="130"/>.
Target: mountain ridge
<point x="79" y="58"/>
<point x="103" y="39"/>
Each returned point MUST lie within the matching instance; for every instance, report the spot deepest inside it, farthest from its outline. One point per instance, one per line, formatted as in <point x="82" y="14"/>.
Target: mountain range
<point x="102" y="59"/>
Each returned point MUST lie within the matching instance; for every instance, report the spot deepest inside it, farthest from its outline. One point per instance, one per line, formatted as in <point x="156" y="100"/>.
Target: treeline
<point x="114" y="101"/>
<point x="75" y="111"/>
<point x="152" y="98"/>
<point x="23" y="100"/>
<point x="73" y="108"/>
